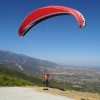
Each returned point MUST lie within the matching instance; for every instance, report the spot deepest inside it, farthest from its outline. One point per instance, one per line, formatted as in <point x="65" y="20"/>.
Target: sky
<point x="58" y="39"/>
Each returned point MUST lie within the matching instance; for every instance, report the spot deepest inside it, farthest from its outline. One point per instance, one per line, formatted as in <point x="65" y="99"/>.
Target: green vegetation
<point x="6" y="80"/>
<point x="12" y="77"/>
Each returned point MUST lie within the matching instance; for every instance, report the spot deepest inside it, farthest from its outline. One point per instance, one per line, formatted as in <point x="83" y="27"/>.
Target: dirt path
<point x="27" y="93"/>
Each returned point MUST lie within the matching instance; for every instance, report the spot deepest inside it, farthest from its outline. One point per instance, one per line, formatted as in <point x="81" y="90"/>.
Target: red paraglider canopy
<point x="43" y="13"/>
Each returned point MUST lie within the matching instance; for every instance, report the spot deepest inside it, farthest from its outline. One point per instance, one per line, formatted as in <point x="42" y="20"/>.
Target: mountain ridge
<point x="23" y="62"/>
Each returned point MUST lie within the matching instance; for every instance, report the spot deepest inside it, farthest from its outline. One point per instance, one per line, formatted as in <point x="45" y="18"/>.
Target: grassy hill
<point x="12" y="77"/>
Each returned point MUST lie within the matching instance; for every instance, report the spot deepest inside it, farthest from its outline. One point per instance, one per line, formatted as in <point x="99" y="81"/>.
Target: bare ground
<point x="71" y="94"/>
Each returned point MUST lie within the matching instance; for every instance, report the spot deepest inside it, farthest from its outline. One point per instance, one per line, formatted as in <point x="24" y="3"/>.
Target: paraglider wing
<point x="43" y="13"/>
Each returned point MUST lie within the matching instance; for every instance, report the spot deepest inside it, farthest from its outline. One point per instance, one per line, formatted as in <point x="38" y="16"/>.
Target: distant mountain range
<point x="24" y="63"/>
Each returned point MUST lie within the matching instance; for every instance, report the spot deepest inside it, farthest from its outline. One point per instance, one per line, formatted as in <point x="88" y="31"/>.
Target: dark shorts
<point x="47" y="82"/>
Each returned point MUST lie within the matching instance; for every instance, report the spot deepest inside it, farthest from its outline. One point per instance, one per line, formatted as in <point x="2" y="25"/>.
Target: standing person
<point x="46" y="79"/>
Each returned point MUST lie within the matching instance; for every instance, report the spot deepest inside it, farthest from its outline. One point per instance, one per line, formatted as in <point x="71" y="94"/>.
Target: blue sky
<point x="57" y="39"/>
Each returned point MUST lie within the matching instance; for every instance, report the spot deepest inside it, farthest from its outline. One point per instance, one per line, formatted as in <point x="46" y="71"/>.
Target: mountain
<point x="24" y="63"/>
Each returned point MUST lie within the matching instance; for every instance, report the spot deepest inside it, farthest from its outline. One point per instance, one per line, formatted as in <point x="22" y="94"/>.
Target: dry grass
<point x="71" y="94"/>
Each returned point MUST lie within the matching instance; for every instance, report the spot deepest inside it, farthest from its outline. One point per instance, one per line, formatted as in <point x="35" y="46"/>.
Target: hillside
<point x="22" y="62"/>
<point x="12" y="77"/>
